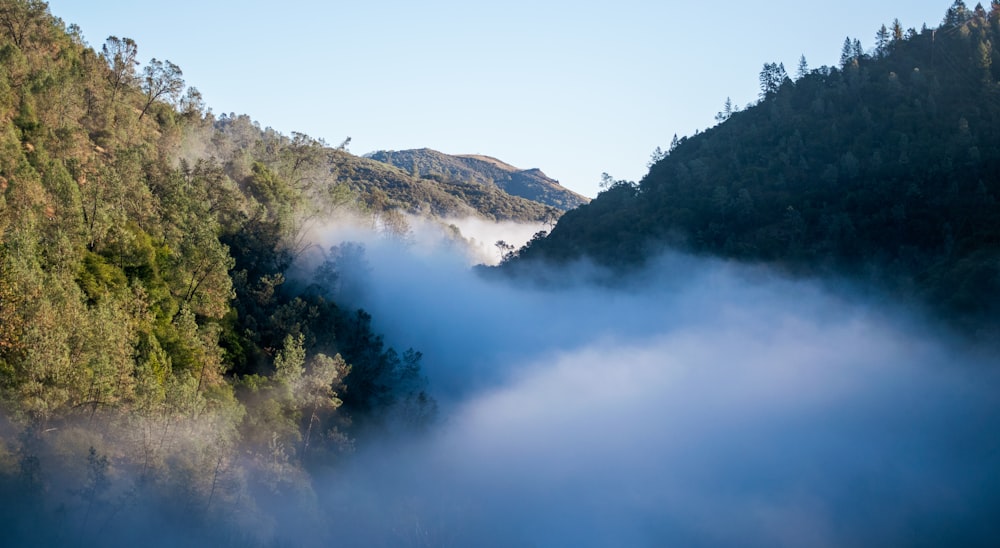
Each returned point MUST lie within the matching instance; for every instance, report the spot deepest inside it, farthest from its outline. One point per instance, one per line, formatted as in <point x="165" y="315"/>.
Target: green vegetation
<point x="155" y="357"/>
<point x="152" y="354"/>
<point x="884" y="170"/>
<point x="386" y="188"/>
<point x="483" y="171"/>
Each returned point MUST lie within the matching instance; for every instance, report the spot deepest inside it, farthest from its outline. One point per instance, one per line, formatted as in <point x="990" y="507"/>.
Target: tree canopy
<point x="153" y="353"/>
<point x="883" y="170"/>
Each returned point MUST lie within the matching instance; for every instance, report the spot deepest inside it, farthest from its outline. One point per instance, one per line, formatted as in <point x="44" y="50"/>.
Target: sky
<point x="572" y="88"/>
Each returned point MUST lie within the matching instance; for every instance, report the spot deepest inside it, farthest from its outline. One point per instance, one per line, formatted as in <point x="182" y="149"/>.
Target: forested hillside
<point x="383" y="187"/>
<point x="885" y="169"/>
<point x="337" y="178"/>
<point x="152" y="352"/>
<point x="485" y="172"/>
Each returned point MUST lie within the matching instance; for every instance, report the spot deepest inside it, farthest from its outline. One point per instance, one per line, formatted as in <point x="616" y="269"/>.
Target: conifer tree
<point x="882" y="41"/>
<point x="727" y="111"/>
<point x="979" y="11"/>
<point x="847" y="52"/>
<point x="897" y="30"/>
<point x="957" y="14"/>
<point x="772" y="76"/>
<point x="674" y="143"/>
<point x="657" y="156"/>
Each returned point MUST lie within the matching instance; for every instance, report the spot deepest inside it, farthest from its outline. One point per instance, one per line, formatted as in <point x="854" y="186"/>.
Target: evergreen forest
<point x="883" y="170"/>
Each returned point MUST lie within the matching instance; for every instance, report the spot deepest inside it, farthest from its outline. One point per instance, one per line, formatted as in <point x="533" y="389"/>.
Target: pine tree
<point x="846" y="53"/>
<point x="772" y="76"/>
<point x="957" y="14"/>
<point x="897" y="30"/>
<point x="882" y="41"/>
<point x="727" y="111"/>
<point x="657" y="156"/>
<point x="803" y="69"/>
<point x="979" y="12"/>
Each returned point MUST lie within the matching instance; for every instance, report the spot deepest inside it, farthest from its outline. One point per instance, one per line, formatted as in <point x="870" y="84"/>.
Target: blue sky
<point x="573" y="88"/>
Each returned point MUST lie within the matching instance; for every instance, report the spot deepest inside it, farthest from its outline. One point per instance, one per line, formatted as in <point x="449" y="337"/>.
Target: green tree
<point x="984" y="61"/>
<point x="772" y="76"/>
<point x="846" y="52"/>
<point x="506" y="250"/>
<point x="120" y="55"/>
<point x="882" y="38"/>
<point x="318" y="390"/>
<point x="658" y="153"/>
<point x="897" y="31"/>
<point x="722" y="116"/>
<point x="201" y="272"/>
<point x="22" y="19"/>
<point x="803" y="69"/>
<point x="161" y="80"/>
<point x="957" y="14"/>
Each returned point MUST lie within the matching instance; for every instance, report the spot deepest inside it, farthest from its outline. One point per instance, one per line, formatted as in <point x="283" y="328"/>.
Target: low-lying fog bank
<point x="698" y="403"/>
<point x="710" y="404"/>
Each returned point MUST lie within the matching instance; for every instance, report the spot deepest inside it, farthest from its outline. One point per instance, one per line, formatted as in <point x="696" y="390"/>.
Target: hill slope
<point x="435" y="197"/>
<point x="375" y="186"/>
<point x="531" y="184"/>
<point x="145" y="247"/>
<point x="886" y="169"/>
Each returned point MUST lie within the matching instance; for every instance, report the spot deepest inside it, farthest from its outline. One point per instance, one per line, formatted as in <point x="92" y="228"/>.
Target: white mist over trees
<point x="198" y="347"/>
<point x="702" y="403"/>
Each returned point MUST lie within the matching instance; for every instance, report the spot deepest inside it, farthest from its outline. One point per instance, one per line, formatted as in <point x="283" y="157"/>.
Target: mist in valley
<point x="213" y="334"/>
<point x="695" y="403"/>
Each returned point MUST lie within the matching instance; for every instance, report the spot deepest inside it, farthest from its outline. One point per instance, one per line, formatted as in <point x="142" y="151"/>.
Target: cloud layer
<point x="698" y="404"/>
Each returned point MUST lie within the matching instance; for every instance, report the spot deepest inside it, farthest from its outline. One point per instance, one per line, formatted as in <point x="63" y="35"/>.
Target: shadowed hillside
<point x="885" y="169"/>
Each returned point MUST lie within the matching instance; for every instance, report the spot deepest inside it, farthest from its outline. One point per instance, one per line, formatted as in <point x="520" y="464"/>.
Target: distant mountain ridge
<point x="383" y="186"/>
<point x="377" y="187"/>
<point x="531" y="184"/>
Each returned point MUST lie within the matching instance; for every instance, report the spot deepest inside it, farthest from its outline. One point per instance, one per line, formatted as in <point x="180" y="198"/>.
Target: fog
<point x="695" y="403"/>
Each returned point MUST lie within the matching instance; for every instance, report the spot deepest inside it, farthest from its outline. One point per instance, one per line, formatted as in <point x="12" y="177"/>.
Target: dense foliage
<point x="483" y="171"/>
<point x="152" y="352"/>
<point x="885" y="169"/>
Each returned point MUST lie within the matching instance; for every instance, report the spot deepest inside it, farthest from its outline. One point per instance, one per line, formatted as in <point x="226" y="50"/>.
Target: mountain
<point x="383" y="185"/>
<point x="531" y="184"/>
<point x="372" y="185"/>
<point x="885" y="170"/>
